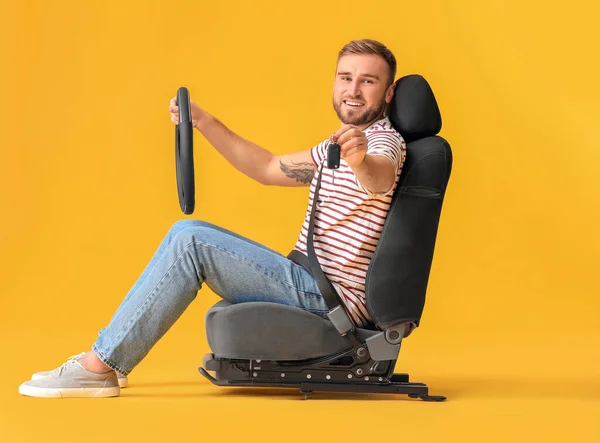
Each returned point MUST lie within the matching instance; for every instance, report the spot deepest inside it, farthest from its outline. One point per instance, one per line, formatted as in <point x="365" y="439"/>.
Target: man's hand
<point x="375" y="173"/>
<point x="353" y="144"/>
<point x="196" y="111"/>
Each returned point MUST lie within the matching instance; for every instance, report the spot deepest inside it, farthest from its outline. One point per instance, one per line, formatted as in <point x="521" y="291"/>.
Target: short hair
<point x="367" y="46"/>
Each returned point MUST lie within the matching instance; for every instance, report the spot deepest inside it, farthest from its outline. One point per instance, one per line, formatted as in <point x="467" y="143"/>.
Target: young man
<point x="353" y="203"/>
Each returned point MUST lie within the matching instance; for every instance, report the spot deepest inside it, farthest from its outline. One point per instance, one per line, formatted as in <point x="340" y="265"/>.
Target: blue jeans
<point x="192" y="253"/>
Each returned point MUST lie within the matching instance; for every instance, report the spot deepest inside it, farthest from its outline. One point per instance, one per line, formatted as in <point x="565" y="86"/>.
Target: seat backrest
<point x="397" y="277"/>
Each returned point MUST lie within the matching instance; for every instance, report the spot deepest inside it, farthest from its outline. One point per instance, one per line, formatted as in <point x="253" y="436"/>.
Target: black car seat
<point x="273" y="345"/>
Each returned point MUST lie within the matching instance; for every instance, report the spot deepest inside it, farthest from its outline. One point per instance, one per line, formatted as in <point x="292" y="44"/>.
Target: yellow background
<point x="511" y="329"/>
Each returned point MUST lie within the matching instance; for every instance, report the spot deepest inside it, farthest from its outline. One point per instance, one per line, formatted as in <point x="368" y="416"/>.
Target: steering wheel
<point x="184" y="153"/>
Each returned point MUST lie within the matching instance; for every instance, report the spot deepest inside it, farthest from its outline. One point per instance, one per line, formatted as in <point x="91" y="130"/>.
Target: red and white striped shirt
<point x="349" y="218"/>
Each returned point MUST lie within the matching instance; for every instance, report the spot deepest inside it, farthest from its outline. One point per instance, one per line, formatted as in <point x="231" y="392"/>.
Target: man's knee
<point x="181" y="225"/>
<point x="186" y="231"/>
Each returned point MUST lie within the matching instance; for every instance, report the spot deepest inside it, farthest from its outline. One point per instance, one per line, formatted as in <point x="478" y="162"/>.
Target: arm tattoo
<point x="302" y="172"/>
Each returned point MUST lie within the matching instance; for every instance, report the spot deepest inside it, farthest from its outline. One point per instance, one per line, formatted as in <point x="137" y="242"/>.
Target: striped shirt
<point x="349" y="218"/>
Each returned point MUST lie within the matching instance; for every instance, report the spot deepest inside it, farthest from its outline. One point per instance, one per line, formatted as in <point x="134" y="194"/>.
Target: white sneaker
<point x="123" y="381"/>
<point x="72" y="380"/>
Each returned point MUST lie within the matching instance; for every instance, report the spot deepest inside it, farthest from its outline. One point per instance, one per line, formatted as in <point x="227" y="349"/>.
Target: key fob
<point x="333" y="156"/>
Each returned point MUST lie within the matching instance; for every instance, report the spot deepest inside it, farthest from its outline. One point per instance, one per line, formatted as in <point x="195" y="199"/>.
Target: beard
<point x="358" y="116"/>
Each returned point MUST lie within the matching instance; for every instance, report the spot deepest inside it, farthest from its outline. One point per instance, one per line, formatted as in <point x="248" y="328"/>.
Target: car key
<point x="333" y="155"/>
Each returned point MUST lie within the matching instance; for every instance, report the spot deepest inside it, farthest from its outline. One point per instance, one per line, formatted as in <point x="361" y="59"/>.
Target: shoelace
<point x="71" y="360"/>
<point x="58" y="371"/>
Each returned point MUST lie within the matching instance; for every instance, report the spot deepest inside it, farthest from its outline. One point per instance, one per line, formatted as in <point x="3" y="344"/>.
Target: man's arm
<point x="376" y="173"/>
<point x="295" y="169"/>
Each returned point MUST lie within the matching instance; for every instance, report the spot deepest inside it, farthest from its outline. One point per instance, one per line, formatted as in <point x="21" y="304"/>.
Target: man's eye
<point x="368" y="81"/>
<point x="346" y="78"/>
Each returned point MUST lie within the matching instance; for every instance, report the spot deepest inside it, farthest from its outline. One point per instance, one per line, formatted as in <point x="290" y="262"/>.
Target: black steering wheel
<point x="184" y="153"/>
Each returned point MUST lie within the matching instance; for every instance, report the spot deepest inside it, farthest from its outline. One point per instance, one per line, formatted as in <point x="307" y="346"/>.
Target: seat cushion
<point x="272" y="331"/>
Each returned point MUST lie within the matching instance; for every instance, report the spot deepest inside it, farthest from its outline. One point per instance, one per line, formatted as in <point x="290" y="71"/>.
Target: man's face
<point x="360" y="91"/>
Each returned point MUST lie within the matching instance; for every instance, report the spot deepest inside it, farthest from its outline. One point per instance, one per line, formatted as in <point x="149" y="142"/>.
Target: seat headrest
<point x="414" y="112"/>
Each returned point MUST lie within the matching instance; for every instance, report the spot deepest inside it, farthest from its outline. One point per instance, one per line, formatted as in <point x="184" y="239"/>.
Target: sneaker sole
<point x="33" y="391"/>
<point x="123" y="382"/>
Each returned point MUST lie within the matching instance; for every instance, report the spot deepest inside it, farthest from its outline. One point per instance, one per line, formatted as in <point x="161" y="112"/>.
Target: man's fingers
<point x="352" y="146"/>
<point x="341" y="131"/>
<point x="351" y="153"/>
<point x="352" y="142"/>
<point x="174" y="110"/>
<point x="350" y="134"/>
<point x="348" y="152"/>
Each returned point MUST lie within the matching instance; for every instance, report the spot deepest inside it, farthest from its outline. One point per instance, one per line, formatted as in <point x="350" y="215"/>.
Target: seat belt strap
<point x="337" y="314"/>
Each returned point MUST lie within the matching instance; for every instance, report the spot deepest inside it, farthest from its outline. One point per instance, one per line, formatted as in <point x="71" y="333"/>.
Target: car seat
<point x="261" y="344"/>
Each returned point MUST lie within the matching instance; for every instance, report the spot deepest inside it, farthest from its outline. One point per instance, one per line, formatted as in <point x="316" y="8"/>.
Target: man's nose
<point x="355" y="89"/>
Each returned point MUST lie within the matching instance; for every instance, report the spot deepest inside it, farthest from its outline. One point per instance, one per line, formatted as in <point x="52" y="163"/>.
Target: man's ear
<point x="389" y="94"/>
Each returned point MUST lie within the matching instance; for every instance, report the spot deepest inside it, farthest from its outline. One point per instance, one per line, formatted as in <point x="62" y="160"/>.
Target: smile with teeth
<point x="353" y="104"/>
